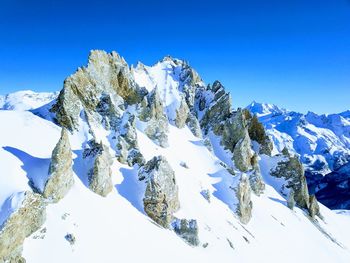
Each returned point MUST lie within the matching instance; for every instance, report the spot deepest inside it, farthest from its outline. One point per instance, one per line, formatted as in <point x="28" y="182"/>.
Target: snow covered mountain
<point x="26" y="100"/>
<point x="150" y="164"/>
<point x="321" y="141"/>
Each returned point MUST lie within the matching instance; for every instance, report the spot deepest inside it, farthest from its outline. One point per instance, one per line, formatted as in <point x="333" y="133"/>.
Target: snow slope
<point x="114" y="228"/>
<point x="26" y="100"/>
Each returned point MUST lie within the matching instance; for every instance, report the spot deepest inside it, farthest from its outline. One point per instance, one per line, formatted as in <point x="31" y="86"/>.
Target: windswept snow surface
<point x="115" y="228"/>
<point x="26" y="100"/>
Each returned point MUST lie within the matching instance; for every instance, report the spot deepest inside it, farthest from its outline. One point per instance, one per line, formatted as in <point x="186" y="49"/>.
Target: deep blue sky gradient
<point x="294" y="53"/>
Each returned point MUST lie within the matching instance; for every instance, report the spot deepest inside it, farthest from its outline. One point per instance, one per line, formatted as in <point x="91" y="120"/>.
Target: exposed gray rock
<point x="314" y="208"/>
<point x="207" y="144"/>
<point x="291" y="201"/>
<point x="193" y="124"/>
<point x="218" y="111"/>
<point x="161" y="195"/>
<point x="84" y="90"/>
<point x="60" y="178"/>
<point x="122" y="150"/>
<point x="110" y="114"/>
<point x="245" y="205"/>
<point x="184" y="164"/>
<point x="291" y="169"/>
<point x="190" y="81"/>
<point x="157" y="131"/>
<point x="127" y="149"/>
<point x="182" y="114"/>
<point x="206" y="194"/>
<point x="152" y="107"/>
<point x="70" y="238"/>
<point x="187" y="230"/>
<point x="99" y="174"/>
<point x="255" y="179"/>
<point x="23" y="222"/>
<point x="157" y="122"/>
<point x="242" y="154"/>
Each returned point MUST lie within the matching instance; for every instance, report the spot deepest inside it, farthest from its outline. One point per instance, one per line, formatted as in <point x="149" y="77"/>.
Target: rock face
<point x="157" y="123"/>
<point x="27" y="219"/>
<point x="255" y="179"/>
<point x="245" y="205"/>
<point x="291" y="201"/>
<point x="187" y="230"/>
<point x="182" y="114"/>
<point x="60" y="172"/>
<point x="193" y="124"/>
<point x="242" y="154"/>
<point x="215" y="111"/>
<point x="84" y="90"/>
<point x="231" y="126"/>
<point x="99" y="174"/>
<point x="127" y="149"/>
<point x="291" y="169"/>
<point x="314" y="208"/>
<point x="161" y="195"/>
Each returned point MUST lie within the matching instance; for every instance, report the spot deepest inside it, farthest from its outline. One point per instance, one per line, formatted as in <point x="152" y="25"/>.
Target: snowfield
<point x="115" y="228"/>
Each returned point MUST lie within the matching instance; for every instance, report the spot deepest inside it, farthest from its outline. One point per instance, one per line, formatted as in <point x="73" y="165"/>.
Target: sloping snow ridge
<point x="86" y="227"/>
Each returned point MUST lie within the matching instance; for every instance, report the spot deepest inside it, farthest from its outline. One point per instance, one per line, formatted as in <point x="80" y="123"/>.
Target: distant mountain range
<point x="321" y="141"/>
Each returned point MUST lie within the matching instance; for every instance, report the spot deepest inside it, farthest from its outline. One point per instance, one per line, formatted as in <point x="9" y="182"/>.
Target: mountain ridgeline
<point x="111" y="109"/>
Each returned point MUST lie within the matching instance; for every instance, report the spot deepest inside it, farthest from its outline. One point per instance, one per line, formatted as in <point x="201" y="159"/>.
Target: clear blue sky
<point x="294" y="53"/>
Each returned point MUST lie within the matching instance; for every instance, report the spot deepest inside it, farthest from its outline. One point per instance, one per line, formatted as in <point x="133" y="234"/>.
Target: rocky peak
<point x="105" y="73"/>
